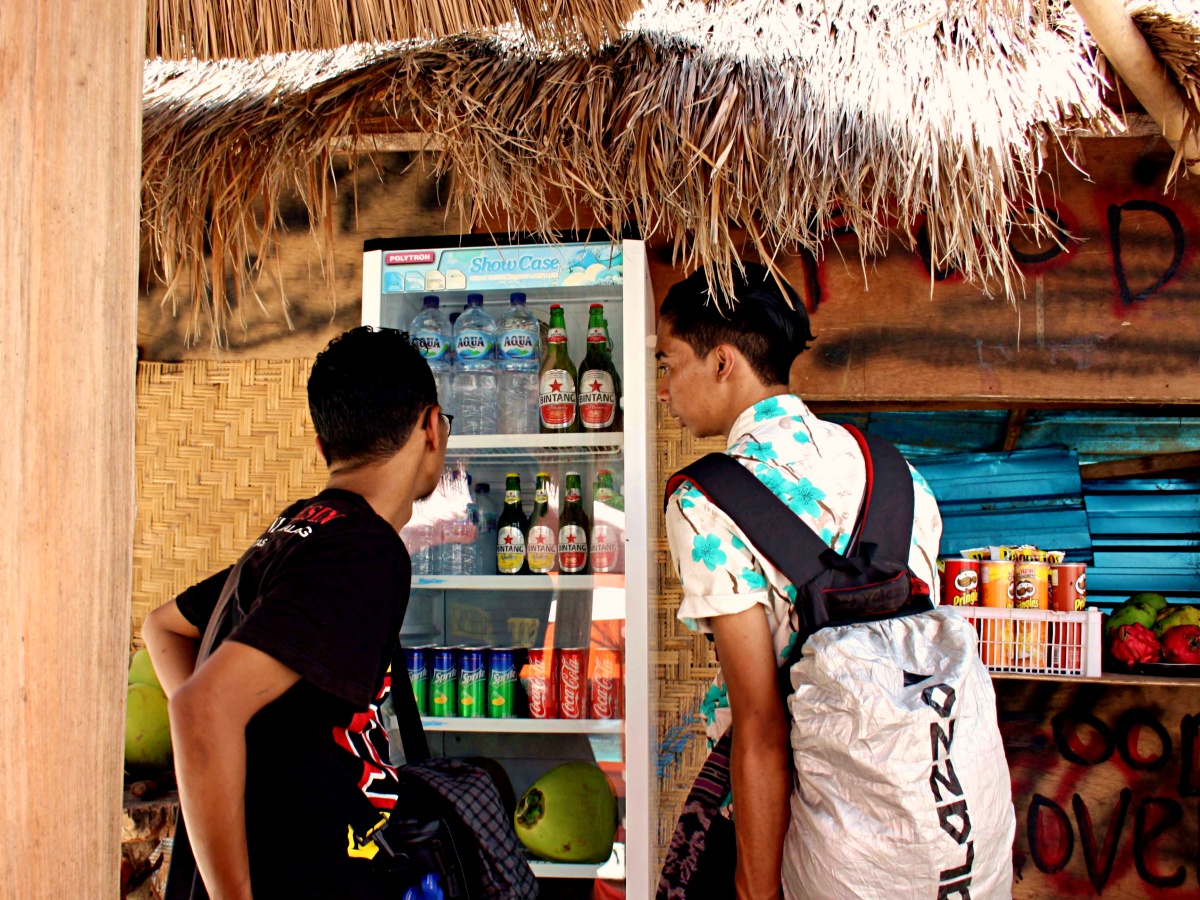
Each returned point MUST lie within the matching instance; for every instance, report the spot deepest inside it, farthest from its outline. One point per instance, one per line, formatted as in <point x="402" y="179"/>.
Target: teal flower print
<point x="754" y="580"/>
<point x="757" y="450"/>
<point x="688" y="497"/>
<point x="790" y="590"/>
<point x="919" y="481"/>
<point x="801" y="437"/>
<point x="716" y="698"/>
<point x="826" y="534"/>
<point x="804" y="498"/>
<point x="774" y="480"/>
<point x="767" y="409"/>
<point x="689" y="623"/>
<point x="786" y="651"/>
<point x="738" y="543"/>
<point x="706" y="548"/>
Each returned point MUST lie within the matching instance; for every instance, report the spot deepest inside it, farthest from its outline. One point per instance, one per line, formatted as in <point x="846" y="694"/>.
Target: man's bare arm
<point x="209" y="714"/>
<point x="762" y="778"/>
<point x="172" y="641"/>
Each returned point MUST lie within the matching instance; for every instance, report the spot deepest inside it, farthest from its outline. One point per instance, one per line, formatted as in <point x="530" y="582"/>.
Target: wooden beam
<point x="1012" y="432"/>
<point x="71" y="133"/>
<point x="1156" y="464"/>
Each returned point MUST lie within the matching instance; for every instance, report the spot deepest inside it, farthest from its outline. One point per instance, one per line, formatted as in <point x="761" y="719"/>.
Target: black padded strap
<point x="408" y="717"/>
<point x="887" y="521"/>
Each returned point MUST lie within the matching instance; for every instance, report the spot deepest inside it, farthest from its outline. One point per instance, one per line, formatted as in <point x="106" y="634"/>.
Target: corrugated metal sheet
<point x="1145" y="537"/>
<point x="1023" y="497"/>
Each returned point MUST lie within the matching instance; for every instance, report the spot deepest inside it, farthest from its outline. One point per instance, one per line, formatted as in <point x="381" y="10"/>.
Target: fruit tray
<point x="1037" y="641"/>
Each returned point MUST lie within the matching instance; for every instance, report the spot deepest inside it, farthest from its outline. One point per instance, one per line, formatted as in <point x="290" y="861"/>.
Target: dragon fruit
<point x="1136" y="644"/>
<point x="1181" y="644"/>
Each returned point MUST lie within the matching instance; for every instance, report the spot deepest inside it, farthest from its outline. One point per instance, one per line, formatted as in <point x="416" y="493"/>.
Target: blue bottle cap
<point x="431" y="301"/>
<point x="474" y="299"/>
<point x="516" y="298"/>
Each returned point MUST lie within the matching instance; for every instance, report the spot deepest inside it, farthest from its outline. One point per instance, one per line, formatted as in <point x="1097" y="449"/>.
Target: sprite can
<point x="417" y="661"/>
<point x="502" y="680"/>
<point x="472" y="683"/>
<point x="443" y="683"/>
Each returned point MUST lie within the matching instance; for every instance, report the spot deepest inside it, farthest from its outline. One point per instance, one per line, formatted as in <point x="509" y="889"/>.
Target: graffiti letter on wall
<point x="1189" y="766"/>
<point x="1050" y="852"/>
<point x="1100" y="860"/>
<point x="1143" y="836"/>
<point x="1114" y="237"/>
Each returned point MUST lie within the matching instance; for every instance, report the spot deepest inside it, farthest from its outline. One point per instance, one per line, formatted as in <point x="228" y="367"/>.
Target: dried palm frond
<point x="763" y="116"/>
<point x="181" y="29"/>
<point x="1173" y="33"/>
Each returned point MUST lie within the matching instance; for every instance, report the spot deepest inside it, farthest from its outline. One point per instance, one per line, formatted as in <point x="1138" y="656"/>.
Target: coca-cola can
<point x="542" y="684"/>
<point x="604" y="687"/>
<point x="572" y="665"/>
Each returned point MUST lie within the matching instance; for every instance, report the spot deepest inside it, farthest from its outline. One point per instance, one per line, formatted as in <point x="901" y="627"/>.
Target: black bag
<point x="870" y="582"/>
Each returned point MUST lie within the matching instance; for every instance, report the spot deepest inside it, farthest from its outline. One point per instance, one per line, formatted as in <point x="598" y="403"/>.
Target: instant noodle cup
<point x="996" y="592"/>
<point x="1031" y="590"/>
<point x="960" y="581"/>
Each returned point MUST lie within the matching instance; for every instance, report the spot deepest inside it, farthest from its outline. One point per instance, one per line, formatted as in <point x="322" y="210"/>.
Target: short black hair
<point x="367" y="390"/>
<point x="766" y="324"/>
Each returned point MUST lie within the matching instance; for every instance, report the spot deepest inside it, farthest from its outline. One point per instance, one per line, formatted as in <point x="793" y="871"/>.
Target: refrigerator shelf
<point x="541" y="446"/>
<point x="524" y="726"/>
<point x="614" y="869"/>
<point x="552" y="582"/>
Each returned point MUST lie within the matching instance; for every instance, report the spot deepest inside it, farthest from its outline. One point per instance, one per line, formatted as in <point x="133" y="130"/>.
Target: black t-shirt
<point x="324" y="592"/>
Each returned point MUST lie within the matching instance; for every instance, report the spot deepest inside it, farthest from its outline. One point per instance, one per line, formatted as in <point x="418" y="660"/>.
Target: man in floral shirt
<point x="724" y="365"/>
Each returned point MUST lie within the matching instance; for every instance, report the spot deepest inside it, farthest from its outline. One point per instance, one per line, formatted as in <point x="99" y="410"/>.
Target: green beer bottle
<point x="573" y="529"/>
<point x="510" y="529"/>
<point x="557" y="382"/>
<point x="541" y="541"/>
<point x="599" y="383"/>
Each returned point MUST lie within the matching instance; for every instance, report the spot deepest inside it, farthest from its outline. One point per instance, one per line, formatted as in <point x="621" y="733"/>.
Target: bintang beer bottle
<point x="607" y="539"/>
<point x="557" y="382"/>
<point x="573" y="529"/>
<point x="599" y="384"/>
<point x="510" y="529"/>
<point x="541" y="542"/>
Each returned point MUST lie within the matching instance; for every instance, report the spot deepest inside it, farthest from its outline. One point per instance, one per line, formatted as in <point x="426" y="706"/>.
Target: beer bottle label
<point x="542" y="548"/>
<point x="540" y="497"/>
<point x="597" y="336"/>
<point x="432" y="346"/>
<point x="510" y="550"/>
<point x="556" y="398"/>
<point x="604" y="547"/>
<point x="517" y="343"/>
<point x="597" y="399"/>
<point x="512" y="496"/>
<point x="572" y="549"/>
<point x="574" y="495"/>
<point x="556" y="336"/>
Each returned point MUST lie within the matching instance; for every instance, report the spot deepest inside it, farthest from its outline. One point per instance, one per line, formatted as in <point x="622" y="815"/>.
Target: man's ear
<point x="726" y="360"/>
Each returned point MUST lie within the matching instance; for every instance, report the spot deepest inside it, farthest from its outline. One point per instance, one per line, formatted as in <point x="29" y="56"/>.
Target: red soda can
<point x="542" y="684"/>
<point x="605" y="685"/>
<point x="960" y="582"/>
<point x="572" y="682"/>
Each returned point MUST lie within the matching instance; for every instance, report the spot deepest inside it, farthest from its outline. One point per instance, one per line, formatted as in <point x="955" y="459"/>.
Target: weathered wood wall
<point x="71" y="138"/>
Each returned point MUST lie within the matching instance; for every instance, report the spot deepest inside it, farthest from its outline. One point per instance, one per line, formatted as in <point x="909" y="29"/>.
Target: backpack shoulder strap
<point x="775" y="531"/>
<point x="887" y="517"/>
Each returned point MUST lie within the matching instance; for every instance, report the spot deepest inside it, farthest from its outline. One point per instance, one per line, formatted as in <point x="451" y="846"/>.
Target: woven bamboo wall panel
<point x="221" y="447"/>
<point x="683" y="659"/>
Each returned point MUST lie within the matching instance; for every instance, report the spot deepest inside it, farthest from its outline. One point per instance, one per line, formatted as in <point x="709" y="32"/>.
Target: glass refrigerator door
<point x="536" y="670"/>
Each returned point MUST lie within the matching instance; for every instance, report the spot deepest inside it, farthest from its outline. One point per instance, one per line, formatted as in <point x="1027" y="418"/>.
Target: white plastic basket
<point x="1037" y="641"/>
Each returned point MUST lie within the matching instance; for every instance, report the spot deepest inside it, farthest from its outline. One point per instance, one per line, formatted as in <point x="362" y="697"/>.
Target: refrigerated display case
<point x="457" y="603"/>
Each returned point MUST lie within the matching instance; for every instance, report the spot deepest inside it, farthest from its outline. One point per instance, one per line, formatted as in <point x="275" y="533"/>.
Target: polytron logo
<point x="409" y="258"/>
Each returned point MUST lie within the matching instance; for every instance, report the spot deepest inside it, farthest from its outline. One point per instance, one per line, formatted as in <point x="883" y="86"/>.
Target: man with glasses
<point x="277" y="732"/>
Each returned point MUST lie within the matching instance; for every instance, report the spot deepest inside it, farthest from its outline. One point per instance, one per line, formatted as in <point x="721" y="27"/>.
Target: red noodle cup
<point x="960" y="582"/>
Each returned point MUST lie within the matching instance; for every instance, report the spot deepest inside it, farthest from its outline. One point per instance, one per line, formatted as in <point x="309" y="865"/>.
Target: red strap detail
<point x="861" y="524"/>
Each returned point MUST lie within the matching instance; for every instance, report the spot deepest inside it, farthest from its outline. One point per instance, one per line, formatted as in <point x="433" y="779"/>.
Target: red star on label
<point x="508" y="540"/>
<point x="596" y="387"/>
<point x="541" y="539"/>
<point x="556" y="385"/>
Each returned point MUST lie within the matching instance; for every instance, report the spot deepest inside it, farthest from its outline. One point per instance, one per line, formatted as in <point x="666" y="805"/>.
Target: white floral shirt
<point x="815" y="467"/>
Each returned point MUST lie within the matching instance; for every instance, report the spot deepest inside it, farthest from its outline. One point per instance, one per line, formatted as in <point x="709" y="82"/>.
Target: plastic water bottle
<point x="433" y="335"/>
<point x="518" y="357"/>
<point x="475" y="369"/>
<point x="485" y="541"/>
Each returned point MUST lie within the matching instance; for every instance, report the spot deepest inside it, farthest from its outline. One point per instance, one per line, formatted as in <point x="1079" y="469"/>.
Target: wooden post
<point x="71" y="156"/>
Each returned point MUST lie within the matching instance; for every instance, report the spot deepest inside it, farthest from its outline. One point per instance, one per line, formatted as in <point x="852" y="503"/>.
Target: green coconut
<point x="1179" y="615"/>
<point x="1131" y="614"/>
<point x="1154" y="600"/>
<point x="147" y="727"/>
<point x="141" y="669"/>
<point x="569" y="815"/>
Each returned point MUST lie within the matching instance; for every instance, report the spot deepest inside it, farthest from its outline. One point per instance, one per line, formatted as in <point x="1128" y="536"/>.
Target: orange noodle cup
<point x="996" y="592"/>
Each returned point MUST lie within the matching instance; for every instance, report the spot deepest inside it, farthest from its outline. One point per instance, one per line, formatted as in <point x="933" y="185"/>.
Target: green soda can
<point x="472" y="684"/>
<point x="443" y="683"/>
<point x="502" y="680"/>
<point x="417" y="660"/>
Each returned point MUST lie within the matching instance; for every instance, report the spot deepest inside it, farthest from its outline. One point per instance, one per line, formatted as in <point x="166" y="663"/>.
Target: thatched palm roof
<point x="764" y="115"/>
<point x="193" y="29"/>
